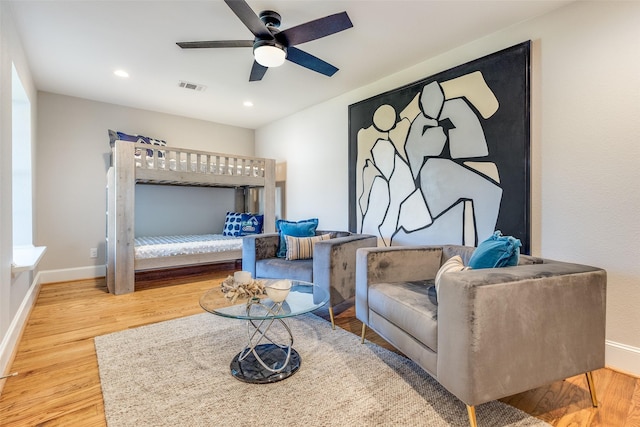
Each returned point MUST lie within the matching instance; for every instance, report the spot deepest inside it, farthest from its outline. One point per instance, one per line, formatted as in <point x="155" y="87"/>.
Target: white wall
<point x="16" y="293"/>
<point x="73" y="156"/>
<point x="584" y="154"/>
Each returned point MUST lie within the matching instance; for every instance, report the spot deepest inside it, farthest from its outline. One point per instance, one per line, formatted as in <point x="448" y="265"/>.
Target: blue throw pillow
<point x="304" y="228"/>
<point x="496" y="251"/>
<point x="232" y="224"/>
<point x="251" y="224"/>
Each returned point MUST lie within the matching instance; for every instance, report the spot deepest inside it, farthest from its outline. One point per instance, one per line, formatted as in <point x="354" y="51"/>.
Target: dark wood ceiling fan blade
<point x="309" y="61"/>
<point x="257" y="72"/>
<point x="315" y="29"/>
<point x="249" y="19"/>
<point x="215" y="44"/>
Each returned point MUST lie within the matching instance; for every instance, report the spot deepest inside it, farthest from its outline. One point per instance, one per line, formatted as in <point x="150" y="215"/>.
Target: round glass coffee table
<point x="266" y="358"/>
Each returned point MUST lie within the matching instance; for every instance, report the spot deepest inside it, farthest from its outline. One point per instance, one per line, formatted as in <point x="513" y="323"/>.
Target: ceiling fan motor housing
<point x="270" y="18"/>
<point x="258" y="43"/>
<point x="269" y="57"/>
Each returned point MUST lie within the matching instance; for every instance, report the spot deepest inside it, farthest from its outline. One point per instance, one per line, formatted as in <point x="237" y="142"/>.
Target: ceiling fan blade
<point x="257" y="72"/>
<point x="309" y="61"/>
<point x="249" y="19"/>
<point x="215" y="44"/>
<point x="315" y="29"/>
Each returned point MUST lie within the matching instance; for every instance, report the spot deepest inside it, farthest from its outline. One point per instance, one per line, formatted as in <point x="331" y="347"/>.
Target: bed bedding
<point x="164" y="246"/>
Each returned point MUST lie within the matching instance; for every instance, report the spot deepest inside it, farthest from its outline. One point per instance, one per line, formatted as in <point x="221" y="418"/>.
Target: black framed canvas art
<point x="445" y="160"/>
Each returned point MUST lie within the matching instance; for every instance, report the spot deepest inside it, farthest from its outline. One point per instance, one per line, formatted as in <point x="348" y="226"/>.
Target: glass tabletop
<point x="302" y="298"/>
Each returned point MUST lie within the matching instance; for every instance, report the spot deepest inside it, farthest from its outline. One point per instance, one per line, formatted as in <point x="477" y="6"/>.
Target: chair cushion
<point x="279" y="268"/>
<point x="496" y="251"/>
<point x="411" y="306"/>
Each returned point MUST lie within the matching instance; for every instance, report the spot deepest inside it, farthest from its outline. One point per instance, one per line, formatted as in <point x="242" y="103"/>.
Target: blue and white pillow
<point x="113" y="135"/>
<point x="251" y="224"/>
<point x="232" y="224"/>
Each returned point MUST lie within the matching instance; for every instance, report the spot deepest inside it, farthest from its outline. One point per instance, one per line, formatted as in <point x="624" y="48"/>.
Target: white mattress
<point x="163" y="246"/>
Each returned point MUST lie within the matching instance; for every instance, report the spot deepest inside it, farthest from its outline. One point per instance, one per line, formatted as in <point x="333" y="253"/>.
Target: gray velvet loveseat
<point x="488" y="333"/>
<point x="332" y="268"/>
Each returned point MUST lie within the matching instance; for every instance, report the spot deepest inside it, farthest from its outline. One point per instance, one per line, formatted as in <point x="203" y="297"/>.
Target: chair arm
<point x="257" y="247"/>
<point x="334" y="264"/>
<point x="506" y="330"/>
<point x="392" y="264"/>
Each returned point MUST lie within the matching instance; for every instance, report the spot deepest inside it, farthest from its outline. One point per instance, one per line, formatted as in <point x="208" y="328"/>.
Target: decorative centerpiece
<point x="243" y="277"/>
<point x="279" y="290"/>
<point x="241" y="286"/>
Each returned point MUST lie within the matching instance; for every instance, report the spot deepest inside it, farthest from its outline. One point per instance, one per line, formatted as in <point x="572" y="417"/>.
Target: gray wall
<point x="163" y="210"/>
<point x="584" y="154"/>
<point x="73" y="156"/>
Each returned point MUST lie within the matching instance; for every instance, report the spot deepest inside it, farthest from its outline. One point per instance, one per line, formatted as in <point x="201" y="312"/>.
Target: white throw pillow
<point x="452" y="264"/>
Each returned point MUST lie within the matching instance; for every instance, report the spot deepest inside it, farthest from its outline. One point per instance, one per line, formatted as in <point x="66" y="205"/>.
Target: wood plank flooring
<point x="58" y="382"/>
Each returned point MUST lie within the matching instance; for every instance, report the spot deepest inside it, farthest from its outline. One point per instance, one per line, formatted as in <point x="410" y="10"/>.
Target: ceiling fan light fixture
<point x="271" y="46"/>
<point x="269" y="53"/>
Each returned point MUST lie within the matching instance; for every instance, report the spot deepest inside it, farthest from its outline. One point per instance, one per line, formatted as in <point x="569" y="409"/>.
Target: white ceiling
<point x="73" y="48"/>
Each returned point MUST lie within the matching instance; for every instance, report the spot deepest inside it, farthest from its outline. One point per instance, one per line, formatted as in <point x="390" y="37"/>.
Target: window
<point x="25" y="256"/>
<point x="21" y="161"/>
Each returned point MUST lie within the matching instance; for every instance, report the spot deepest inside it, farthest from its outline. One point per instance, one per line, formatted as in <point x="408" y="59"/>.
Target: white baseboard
<point x="70" y="274"/>
<point x="622" y="357"/>
<point x="9" y="343"/>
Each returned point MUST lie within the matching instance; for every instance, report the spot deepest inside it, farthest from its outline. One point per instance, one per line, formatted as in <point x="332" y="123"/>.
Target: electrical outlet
<point x="93" y="253"/>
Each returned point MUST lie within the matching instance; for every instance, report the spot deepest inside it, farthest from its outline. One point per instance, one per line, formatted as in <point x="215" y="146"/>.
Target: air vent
<point x="192" y="86"/>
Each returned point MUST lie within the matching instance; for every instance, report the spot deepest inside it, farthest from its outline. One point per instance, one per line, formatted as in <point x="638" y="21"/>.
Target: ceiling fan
<point x="271" y="46"/>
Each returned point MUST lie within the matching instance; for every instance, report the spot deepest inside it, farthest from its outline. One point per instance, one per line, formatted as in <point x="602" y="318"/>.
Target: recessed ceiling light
<point x="121" y="73"/>
<point x="247" y="104"/>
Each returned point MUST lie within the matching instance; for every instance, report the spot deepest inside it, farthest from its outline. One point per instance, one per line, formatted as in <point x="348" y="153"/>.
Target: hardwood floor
<point x="58" y="381"/>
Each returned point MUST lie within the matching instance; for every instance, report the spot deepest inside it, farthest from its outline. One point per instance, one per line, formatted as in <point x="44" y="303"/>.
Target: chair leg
<point x="333" y="322"/>
<point x="592" y="389"/>
<point x="471" y="410"/>
<point x="364" y="329"/>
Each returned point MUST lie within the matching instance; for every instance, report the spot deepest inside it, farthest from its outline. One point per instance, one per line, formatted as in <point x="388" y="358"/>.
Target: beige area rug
<point x="176" y="373"/>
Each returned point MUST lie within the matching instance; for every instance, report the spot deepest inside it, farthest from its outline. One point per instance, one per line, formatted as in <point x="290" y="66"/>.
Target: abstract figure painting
<point x="445" y="160"/>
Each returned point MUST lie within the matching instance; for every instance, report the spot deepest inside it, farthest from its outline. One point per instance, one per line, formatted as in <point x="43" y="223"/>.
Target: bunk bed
<point x="135" y="163"/>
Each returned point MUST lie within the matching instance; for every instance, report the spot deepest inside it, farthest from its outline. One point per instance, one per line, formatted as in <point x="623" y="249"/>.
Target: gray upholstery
<point x="332" y="268"/>
<point x="490" y="333"/>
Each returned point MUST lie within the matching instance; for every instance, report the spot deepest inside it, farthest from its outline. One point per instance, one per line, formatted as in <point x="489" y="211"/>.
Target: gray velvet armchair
<point x="332" y="268"/>
<point x="488" y="333"/>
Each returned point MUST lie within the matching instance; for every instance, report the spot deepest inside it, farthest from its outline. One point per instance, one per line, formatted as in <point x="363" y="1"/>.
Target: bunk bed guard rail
<point x="161" y="163"/>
